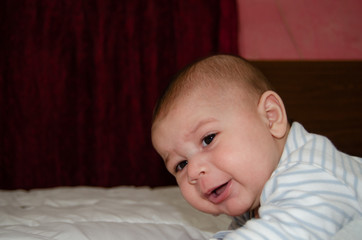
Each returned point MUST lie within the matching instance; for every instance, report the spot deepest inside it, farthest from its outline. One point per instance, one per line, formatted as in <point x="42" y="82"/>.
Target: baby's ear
<point x="272" y="109"/>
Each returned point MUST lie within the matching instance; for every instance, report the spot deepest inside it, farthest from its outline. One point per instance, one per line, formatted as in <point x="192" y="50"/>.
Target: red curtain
<point x="79" y="79"/>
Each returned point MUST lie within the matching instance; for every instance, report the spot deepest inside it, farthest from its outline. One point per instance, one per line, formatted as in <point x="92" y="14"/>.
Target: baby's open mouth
<point x="217" y="191"/>
<point x="219" y="194"/>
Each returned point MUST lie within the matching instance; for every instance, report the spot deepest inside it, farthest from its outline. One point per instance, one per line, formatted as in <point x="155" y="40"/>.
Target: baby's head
<point x="221" y="132"/>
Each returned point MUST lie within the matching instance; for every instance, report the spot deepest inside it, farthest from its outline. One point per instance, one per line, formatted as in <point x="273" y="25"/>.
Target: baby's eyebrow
<point x="166" y="158"/>
<point x="199" y="124"/>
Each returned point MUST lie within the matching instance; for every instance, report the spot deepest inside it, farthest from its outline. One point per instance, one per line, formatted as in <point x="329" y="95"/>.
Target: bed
<point x="103" y="213"/>
<point x="325" y="96"/>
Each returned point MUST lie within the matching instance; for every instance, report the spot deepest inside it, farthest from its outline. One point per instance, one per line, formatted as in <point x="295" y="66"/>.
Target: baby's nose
<point x="195" y="170"/>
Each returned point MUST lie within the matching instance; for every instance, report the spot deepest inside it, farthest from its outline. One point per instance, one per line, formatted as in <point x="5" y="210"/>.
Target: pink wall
<point x="300" y="29"/>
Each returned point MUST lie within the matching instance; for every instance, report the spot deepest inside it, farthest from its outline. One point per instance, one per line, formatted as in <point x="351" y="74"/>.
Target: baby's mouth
<point x="219" y="190"/>
<point x="217" y="195"/>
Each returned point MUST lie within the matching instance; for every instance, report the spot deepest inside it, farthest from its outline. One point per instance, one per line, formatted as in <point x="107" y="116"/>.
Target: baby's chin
<point x="230" y="212"/>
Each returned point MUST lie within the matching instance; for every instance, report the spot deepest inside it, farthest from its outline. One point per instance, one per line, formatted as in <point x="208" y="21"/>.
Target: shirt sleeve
<point x="302" y="202"/>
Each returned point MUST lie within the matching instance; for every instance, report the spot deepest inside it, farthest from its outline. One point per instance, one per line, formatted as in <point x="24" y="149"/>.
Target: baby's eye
<point x="208" y="139"/>
<point x="181" y="165"/>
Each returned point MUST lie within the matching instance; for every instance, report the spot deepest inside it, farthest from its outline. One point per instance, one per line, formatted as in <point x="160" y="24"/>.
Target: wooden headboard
<point x="325" y="96"/>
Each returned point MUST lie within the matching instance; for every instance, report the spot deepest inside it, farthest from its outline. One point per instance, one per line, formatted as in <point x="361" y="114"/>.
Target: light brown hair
<point x="216" y="69"/>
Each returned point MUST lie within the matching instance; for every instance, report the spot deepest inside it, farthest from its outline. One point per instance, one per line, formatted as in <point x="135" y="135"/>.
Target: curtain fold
<point x="79" y="80"/>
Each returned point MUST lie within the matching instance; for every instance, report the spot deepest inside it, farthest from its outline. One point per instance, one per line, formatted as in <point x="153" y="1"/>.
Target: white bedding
<point x="90" y="213"/>
<point x="100" y="213"/>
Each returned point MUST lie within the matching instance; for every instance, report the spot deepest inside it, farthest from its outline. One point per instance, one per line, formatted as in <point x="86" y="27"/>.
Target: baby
<point x="224" y="134"/>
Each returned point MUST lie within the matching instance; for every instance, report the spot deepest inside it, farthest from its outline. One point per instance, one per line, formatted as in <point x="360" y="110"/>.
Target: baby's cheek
<point x="193" y="198"/>
<point x="188" y="192"/>
<point x="185" y="190"/>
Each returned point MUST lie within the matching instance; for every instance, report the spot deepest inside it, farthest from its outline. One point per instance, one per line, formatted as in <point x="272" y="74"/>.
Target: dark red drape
<point x="79" y="79"/>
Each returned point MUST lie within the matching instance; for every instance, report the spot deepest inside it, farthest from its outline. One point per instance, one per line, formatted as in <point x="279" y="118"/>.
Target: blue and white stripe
<point x="312" y="194"/>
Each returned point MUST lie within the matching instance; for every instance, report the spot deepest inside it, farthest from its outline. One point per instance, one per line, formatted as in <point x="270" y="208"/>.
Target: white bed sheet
<point x="90" y="213"/>
<point x="103" y="213"/>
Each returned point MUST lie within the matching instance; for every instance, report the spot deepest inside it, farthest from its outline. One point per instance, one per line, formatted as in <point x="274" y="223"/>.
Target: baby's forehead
<point x="208" y="96"/>
<point x="215" y="88"/>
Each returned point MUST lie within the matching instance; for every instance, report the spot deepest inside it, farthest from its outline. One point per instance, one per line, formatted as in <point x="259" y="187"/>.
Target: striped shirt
<point x="313" y="193"/>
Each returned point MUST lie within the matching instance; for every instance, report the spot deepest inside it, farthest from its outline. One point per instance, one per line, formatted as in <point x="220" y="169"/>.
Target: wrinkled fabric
<point x="98" y="213"/>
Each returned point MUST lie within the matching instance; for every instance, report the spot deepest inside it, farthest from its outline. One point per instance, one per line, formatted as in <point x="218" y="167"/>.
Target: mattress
<point x="103" y="213"/>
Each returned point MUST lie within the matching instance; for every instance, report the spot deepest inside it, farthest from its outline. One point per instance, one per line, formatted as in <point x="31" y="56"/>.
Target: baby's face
<point x="220" y="150"/>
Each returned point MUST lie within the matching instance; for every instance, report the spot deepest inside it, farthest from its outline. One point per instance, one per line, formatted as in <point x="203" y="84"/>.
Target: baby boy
<point x="224" y="134"/>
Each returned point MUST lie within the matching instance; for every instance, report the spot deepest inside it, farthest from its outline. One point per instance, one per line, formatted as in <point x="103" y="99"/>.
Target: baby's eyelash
<point x="208" y="139"/>
<point x="180" y="166"/>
